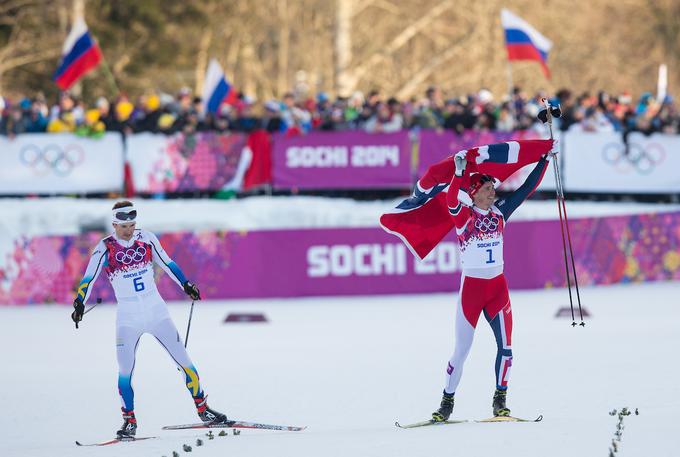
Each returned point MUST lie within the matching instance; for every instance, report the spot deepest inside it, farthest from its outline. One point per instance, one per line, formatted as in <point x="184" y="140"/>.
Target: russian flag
<point x="216" y="88"/>
<point x="79" y="55"/>
<point x="525" y="42"/>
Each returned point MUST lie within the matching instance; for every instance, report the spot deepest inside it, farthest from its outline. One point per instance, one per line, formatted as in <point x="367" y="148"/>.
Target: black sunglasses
<point x="129" y="216"/>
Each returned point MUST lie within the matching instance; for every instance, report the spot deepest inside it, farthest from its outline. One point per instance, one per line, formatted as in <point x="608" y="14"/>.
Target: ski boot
<point x="499" y="408"/>
<point x="445" y="409"/>
<point x="207" y="414"/>
<point x="129" y="428"/>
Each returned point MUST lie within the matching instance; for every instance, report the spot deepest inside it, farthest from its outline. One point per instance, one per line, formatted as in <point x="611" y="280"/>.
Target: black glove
<point x="78" y="311"/>
<point x="555" y="111"/>
<point x="191" y="290"/>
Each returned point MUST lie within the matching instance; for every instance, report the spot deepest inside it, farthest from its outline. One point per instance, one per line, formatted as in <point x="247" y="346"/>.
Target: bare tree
<point x="397" y="46"/>
<point x="343" y="46"/>
<point x="23" y="41"/>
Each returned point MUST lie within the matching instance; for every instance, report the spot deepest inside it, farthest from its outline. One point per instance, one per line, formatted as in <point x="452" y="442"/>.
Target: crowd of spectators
<point x="372" y="112"/>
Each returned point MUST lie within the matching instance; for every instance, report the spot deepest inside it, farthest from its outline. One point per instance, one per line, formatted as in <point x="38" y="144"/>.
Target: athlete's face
<point x="124" y="231"/>
<point x="485" y="196"/>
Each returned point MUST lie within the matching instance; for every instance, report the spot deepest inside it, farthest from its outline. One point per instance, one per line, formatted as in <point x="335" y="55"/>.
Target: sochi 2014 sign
<point x="347" y="160"/>
<point x="60" y="163"/>
<point x="350" y="261"/>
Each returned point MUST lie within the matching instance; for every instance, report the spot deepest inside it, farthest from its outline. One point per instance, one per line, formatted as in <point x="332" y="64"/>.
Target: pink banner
<point x="204" y="161"/>
<point x="359" y="261"/>
<point x="347" y="160"/>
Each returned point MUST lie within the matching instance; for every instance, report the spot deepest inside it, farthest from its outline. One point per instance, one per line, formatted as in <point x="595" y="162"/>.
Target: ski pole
<point x="99" y="300"/>
<point x="564" y="242"/>
<point x="571" y="254"/>
<point x="571" y="250"/>
<point x="191" y="313"/>
<point x="564" y="225"/>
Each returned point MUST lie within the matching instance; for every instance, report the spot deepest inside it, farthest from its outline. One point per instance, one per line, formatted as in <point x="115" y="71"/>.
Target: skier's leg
<point x="470" y="304"/>
<point x="127" y="338"/>
<point x="167" y="335"/>
<point x="501" y="325"/>
<point x="499" y="315"/>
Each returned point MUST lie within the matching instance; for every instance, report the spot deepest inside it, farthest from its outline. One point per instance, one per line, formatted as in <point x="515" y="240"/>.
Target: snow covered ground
<point x="65" y="216"/>
<point x="348" y="368"/>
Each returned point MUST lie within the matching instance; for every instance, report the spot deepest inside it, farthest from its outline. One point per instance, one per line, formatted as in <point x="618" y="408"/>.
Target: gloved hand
<point x="78" y="311"/>
<point x="556" y="110"/>
<point x="191" y="290"/>
<point x="461" y="162"/>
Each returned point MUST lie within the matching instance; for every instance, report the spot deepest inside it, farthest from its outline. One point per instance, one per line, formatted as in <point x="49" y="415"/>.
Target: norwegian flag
<point x="423" y="220"/>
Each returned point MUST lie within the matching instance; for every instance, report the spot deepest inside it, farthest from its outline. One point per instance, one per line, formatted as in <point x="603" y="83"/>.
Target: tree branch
<point x="120" y="64"/>
<point x="400" y="40"/>
<point x="17" y="4"/>
<point x="387" y="6"/>
<point x="358" y="9"/>
<point x="420" y="76"/>
<point x="17" y="61"/>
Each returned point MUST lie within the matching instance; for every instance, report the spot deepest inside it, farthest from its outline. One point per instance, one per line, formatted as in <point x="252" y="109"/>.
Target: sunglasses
<point x="129" y="216"/>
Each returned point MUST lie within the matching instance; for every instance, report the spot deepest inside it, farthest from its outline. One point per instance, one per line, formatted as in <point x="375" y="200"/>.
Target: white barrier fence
<point x="39" y="163"/>
<point x="601" y="162"/>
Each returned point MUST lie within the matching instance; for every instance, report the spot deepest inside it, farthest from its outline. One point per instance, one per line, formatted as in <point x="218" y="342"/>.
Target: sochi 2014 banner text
<point x="343" y="160"/>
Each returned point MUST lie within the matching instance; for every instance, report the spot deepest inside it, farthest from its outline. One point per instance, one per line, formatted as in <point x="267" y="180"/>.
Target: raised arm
<point x="459" y="210"/>
<point x="510" y="203"/>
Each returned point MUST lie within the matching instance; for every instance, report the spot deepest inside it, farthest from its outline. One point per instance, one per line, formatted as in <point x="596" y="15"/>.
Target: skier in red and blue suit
<point x="479" y="222"/>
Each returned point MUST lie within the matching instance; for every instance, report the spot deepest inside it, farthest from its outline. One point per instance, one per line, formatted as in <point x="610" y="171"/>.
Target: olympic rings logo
<point x="634" y="157"/>
<point x="52" y="157"/>
<point x="131" y="255"/>
<point x="487" y="224"/>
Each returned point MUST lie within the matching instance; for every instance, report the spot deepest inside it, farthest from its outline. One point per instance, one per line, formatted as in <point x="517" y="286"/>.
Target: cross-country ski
<point x="234" y="424"/>
<point x="509" y="419"/>
<point x="429" y="423"/>
<point x="117" y="440"/>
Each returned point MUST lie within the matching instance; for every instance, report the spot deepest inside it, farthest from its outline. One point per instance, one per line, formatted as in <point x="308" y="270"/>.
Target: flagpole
<point x="508" y="67"/>
<point x="510" y="88"/>
<point x="519" y="34"/>
<point x="79" y="13"/>
<point x="109" y="76"/>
